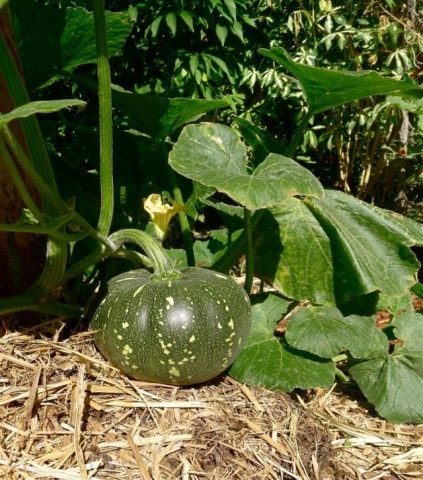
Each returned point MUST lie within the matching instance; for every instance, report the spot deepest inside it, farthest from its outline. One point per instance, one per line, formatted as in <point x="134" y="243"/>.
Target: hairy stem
<point x="105" y="120"/>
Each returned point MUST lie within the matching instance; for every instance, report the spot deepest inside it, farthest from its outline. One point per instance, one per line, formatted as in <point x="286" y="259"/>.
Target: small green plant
<point x="344" y="257"/>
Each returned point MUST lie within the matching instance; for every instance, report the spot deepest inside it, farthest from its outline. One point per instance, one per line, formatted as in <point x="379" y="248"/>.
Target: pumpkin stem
<point x="162" y="264"/>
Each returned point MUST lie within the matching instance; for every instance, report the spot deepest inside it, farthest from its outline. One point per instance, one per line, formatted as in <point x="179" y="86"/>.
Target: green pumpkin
<point x="181" y="329"/>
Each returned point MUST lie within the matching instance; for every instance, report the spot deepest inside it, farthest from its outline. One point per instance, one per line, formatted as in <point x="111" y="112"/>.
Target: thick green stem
<point x="19" y="95"/>
<point x="105" y="119"/>
<point x="136" y="258"/>
<point x="183" y="220"/>
<point x="42" y="186"/>
<point x="249" y="252"/>
<point x="162" y="265"/>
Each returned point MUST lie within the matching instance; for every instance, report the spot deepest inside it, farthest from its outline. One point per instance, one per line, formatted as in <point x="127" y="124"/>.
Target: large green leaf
<point x="325" y="332"/>
<point x="326" y="89"/>
<point x="42" y="106"/>
<point x="293" y="252"/>
<point x="161" y="116"/>
<point x="70" y="41"/>
<point x="370" y="246"/>
<point x="268" y="361"/>
<point x="213" y="155"/>
<point x="394" y="382"/>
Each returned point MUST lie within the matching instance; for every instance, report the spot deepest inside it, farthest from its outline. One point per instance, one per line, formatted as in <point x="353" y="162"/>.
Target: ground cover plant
<point x="333" y="259"/>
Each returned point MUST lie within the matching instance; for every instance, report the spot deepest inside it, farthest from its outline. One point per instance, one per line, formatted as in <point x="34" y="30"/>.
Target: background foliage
<point x="210" y="50"/>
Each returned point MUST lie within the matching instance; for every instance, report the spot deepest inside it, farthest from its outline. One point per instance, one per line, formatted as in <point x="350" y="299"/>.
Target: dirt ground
<point x="65" y="413"/>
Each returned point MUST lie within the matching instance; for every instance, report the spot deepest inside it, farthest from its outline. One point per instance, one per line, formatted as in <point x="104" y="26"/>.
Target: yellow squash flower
<point x="160" y="213"/>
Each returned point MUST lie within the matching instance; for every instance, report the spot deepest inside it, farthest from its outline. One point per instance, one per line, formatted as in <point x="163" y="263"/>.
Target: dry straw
<point x="65" y="413"/>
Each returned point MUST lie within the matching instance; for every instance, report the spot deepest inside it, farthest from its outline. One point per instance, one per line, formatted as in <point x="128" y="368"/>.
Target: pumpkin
<point x="178" y="328"/>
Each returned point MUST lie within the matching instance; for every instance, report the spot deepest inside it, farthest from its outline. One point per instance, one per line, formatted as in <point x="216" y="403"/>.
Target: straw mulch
<point x="65" y="413"/>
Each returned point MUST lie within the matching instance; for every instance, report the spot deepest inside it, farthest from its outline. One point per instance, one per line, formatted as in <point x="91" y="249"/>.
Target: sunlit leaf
<point x="213" y="155"/>
<point x="231" y="7"/>
<point x="155" y="25"/>
<point x="193" y="63"/>
<point x="237" y="30"/>
<point x="222" y="33"/>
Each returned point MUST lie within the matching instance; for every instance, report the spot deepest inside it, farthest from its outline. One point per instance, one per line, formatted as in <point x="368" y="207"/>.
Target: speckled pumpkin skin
<point x="181" y="331"/>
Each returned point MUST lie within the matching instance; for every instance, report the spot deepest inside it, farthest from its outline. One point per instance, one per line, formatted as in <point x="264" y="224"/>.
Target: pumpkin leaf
<point x="213" y="155"/>
<point x="326" y="89"/>
<point x="370" y="246"/>
<point x="293" y="252"/>
<point x="325" y="332"/>
<point x="394" y="382"/>
<point x="268" y="361"/>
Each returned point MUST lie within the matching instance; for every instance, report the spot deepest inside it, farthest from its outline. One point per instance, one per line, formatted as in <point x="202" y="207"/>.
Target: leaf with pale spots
<point x="293" y="252"/>
<point x="269" y="361"/>
<point x="214" y="156"/>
